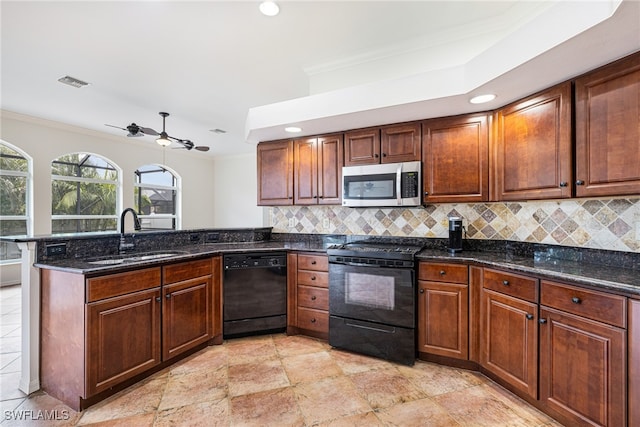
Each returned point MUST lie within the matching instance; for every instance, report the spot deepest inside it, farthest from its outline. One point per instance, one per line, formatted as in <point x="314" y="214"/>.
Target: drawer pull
<point x="167" y="296"/>
<point x="313" y="263"/>
<point x="158" y="299"/>
<point x="529" y="316"/>
<point x="313" y="298"/>
<point x="422" y="291"/>
<point x="563" y="184"/>
<point x="442" y="272"/>
<point x="576" y="300"/>
<point x="579" y="182"/>
<point x="542" y="321"/>
<point x="313" y="277"/>
<point x="313" y="320"/>
<point x="505" y="282"/>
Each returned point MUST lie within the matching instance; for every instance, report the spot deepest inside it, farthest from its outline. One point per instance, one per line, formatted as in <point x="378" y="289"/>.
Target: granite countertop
<point x="620" y="280"/>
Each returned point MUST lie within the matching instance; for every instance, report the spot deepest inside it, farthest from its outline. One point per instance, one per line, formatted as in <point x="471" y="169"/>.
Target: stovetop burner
<point x="375" y="250"/>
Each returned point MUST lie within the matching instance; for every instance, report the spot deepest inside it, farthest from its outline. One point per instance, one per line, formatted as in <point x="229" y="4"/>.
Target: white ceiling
<point x="324" y="65"/>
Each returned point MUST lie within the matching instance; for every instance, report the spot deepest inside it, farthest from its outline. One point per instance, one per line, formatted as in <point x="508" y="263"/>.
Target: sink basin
<point x="121" y="259"/>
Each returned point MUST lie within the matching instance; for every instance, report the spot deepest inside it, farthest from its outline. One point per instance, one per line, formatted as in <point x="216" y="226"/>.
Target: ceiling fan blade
<point x="148" y="131"/>
<point x="113" y="126"/>
<point x="202" y="148"/>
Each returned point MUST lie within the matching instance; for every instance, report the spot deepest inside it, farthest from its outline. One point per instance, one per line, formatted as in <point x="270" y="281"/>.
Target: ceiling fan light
<point x="164" y="139"/>
<point x="269" y="8"/>
<point x="481" y="99"/>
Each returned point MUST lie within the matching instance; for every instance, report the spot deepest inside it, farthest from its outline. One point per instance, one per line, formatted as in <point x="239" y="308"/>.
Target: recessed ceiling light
<point x="293" y="129"/>
<point x="269" y="8"/>
<point x="481" y="99"/>
<point x="72" y="81"/>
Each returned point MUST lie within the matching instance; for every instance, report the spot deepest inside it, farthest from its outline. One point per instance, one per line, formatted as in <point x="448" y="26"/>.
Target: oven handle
<point x="390" y="329"/>
<point x="399" y="184"/>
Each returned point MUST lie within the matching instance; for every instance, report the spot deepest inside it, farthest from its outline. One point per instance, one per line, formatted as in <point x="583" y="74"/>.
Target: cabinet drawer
<point x="593" y="305"/>
<point x="313" y="278"/>
<point x="122" y="283"/>
<point x="313" y="262"/>
<point x="311" y="297"/>
<point x="522" y="287"/>
<point x="186" y="270"/>
<point x="437" y="272"/>
<point x="314" y="320"/>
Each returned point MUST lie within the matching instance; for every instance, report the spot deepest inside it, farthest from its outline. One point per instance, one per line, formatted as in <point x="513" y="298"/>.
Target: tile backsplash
<point x="612" y="224"/>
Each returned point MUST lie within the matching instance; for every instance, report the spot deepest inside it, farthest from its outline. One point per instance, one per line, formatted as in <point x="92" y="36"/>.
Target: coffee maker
<point x="455" y="234"/>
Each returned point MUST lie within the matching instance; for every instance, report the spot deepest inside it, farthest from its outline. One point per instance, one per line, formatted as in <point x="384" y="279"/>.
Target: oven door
<point x="376" y="294"/>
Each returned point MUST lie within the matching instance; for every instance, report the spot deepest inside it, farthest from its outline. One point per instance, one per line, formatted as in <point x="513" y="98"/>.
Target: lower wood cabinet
<point x="443" y="310"/>
<point x="509" y="330"/>
<point x="308" y="299"/>
<point x="582" y="358"/>
<point x="99" y="332"/>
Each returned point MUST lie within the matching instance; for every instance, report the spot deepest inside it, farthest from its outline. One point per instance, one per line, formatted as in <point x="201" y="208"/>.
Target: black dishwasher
<point x="254" y="288"/>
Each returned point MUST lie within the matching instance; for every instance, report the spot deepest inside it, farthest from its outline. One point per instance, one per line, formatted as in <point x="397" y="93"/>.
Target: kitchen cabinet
<point x="318" y="170"/>
<point x="100" y="333"/>
<point x="275" y="173"/>
<point x="308" y="299"/>
<point x="455" y="159"/>
<point x="186" y="311"/>
<point x="389" y="144"/>
<point x="583" y="355"/>
<point x="443" y="310"/>
<point x="509" y="330"/>
<point x="608" y="130"/>
<point x="532" y="148"/>
<point x="633" y="373"/>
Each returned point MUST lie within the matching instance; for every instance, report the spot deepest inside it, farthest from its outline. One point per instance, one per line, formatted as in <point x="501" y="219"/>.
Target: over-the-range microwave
<point x="387" y="184"/>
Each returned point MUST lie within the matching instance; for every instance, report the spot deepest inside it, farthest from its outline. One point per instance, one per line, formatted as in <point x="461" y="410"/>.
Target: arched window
<point x="85" y="192"/>
<point x="157" y="198"/>
<point x="15" y="198"/>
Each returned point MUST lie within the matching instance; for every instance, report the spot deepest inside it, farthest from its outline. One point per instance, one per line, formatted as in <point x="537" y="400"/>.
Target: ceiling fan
<point x="164" y="139"/>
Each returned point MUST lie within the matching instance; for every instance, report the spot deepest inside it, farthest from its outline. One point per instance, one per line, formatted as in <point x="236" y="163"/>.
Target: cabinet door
<point x="123" y="338"/>
<point x="455" y="159"/>
<point x="330" y="162"/>
<point x="443" y="319"/>
<point x="186" y="315"/>
<point x="608" y="130"/>
<point x="509" y="340"/>
<point x="533" y="147"/>
<point x="275" y="173"/>
<point x="400" y="143"/>
<point x="582" y="369"/>
<point x="362" y="147"/>
<point x="305" y="166"/>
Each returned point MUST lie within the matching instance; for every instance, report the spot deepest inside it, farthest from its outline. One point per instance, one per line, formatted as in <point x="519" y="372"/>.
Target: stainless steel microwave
<point x="388" y="184"/>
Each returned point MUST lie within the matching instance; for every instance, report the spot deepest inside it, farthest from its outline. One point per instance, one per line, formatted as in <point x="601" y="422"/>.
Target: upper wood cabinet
<point x="275" y="173"/>
<point x="608" y="130"/>
<point x="532" y="147"/>
<point x="318" y="170"/>
<point x="455" y="159"/>
<point x="390" y="144"/>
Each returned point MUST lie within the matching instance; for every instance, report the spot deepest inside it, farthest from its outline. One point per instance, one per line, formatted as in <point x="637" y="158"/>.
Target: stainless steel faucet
<point x="124" y="246"/>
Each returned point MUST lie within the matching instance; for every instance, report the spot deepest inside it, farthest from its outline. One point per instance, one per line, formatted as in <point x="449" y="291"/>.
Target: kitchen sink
<point x="121" y="259"/>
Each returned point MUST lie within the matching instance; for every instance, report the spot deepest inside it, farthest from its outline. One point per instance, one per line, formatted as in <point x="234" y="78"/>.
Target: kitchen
<point x="237" y="200"/>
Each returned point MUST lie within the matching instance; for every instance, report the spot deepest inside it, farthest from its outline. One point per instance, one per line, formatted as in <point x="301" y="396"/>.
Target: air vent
<point x="72" y="81"/>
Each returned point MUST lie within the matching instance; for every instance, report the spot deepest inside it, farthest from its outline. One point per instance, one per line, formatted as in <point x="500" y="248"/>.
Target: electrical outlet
<point x="292" y="222"/>
<point x="212" y="237"/>
<point x="57" y="249"/>
<point x="194" y="238"/>
<point x="326" y="223"/>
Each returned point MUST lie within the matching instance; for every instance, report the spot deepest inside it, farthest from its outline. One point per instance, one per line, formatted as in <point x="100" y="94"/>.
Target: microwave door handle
<point x="399" y="184"/>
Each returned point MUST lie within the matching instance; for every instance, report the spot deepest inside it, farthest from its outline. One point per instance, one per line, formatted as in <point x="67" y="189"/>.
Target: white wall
<point x="235" y="188"/>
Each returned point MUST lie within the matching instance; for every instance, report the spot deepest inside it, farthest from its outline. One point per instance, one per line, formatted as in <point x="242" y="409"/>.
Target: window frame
<point x="177" y="217"/>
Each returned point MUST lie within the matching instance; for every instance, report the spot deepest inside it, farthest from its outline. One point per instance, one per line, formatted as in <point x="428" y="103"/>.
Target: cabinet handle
<point x="384" y="154"/>
<point x="313" y="320"/>
<point x="442" y="272"/>
<point x="426" y="193"/>
<point x="375" y="156"/>
<point x="542" y="321"/>
<point x="167" y="296"/>
<point x="315" y="197"/>
<point x="563" y="184"/>
<point x="505" y="282"/>
<point x="422" y="291"/>
<point x="158" y="299"/>
<point x="529" y="316"/>
<point x="313" y="263"/>
<point x="579" y="182"/>
<point x="576" y="300"/>
<point x="313" y="277"/>
<point x="313" y="298"/>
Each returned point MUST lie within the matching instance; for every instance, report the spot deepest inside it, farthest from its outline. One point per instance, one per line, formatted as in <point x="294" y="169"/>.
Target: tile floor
<point x="272" y="380"/>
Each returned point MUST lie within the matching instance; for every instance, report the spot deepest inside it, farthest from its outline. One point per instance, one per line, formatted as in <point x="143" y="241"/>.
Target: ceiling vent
<point x="72" y="81"/>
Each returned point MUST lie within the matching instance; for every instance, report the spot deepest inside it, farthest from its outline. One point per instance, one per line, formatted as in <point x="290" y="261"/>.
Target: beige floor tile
<point x="527" y="412"/>
<point x="210" y="414"/>
<point x="142" y="420"/>
<point x="352" y="363"/>
<point x="248" y="350"/>
<point x="419" y="413"/>
<point x="41" y="409"/>
<point x="368" y="419"/>
<point x="329" y="399"/>
<point x="310" y="367"/>
<point x="194" y="387"/>
<point x="268" y="408"/>
<point x="208" y="359"/>
<point x="436" y="379"/>
<point x="255" y="377"/>
<point x="296" y="345"/>
<point x="385" y="387"/>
